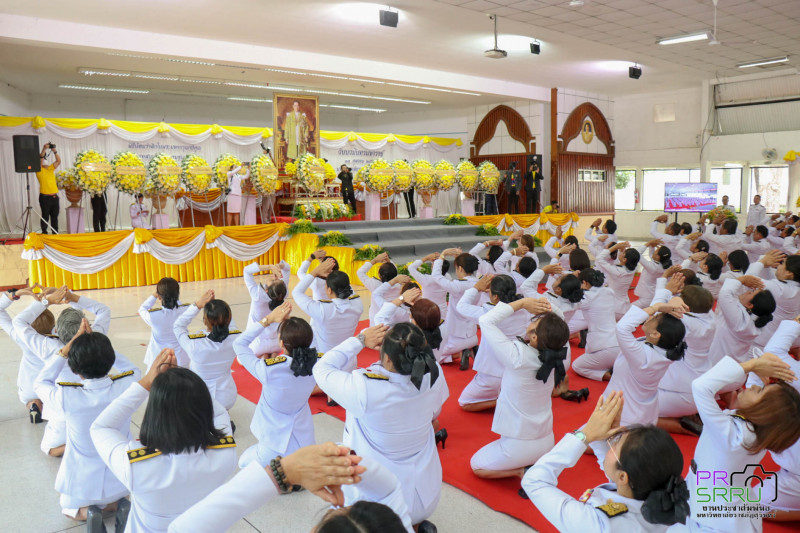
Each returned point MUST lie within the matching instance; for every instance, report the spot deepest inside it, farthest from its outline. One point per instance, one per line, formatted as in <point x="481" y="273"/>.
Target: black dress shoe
<point x="689" y="423"/>
<point x="121" y="517"/>
<point x="332" y="403"/>
<point x="465" y="355"/>
<point x="426" y="526"/>
<point x="584" y="393"/>
<point x="94" y="520"/>
<point x="523" y="494"/>
<point x="35" y="414"/>
<point x="573" y="395"/>
<point x="441" y="436"/>
<point x="582" y="343"/>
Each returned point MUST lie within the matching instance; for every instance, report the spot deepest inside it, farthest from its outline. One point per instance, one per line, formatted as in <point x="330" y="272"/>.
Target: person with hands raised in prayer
<point x="407" y="379"/>
<point x="318" y="291"/>
<point x="619" y="274"/>
<point x="386" y="272"/>
<point x="652" y="268"/>
<point x="462" y="334"/>
<point x="785" y="288"/>
<point x="643" y="464"/>
<point x="399" y="309"/>
<point x="162" y="320"/>
<point x="266" y="296"/>
<point x="387" y="289"/>
<point x="430" y="289"/>
<point x="496" y="260"/>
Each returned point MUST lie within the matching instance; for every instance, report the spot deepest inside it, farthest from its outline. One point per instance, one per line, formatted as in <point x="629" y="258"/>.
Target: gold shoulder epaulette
<point x="224" y="442"/>
<point x="275" y="360"/>
<point x="154" y="309"/>
<point x="50" y="335"/>
<point x="197" y="336"/>
<point x="326" y="301"/>
<point x="372" y="375"/>
<point x="353" y="297"/>
<point x="122" y="375"/>
<point x="613" y="508"/>
<point x="319" y="355"/>
<point x="70" y="384"/>
<point x="140" y="454"/>
<point x="234" y="332"/>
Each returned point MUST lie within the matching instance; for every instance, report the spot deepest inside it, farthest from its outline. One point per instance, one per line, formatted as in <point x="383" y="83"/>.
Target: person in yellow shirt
<point x="48" y="190"/>
<point x="552" y="208"/>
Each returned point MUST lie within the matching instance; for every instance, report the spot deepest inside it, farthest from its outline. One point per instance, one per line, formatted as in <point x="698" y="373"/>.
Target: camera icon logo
<point x="766" y="481"/>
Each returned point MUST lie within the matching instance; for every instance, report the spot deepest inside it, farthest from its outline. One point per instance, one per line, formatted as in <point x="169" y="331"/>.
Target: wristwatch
<point x="401" y="298"/>
<point x="580" y="435"/>
<point x="362" y="339"/>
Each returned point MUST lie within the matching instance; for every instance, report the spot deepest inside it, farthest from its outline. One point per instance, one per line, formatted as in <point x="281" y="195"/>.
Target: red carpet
<point x="468" y="432"/>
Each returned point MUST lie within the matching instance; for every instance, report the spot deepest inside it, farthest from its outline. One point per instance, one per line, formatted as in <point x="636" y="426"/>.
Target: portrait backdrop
<point x="296" y="125"/>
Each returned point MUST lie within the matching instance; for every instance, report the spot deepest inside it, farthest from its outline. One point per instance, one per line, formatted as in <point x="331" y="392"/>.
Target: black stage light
<point x="389" y="18"/>
<point x="536" y="48"/>
<point x="635" y="72"/>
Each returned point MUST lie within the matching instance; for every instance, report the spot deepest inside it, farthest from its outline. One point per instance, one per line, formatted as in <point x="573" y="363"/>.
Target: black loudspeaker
<point x="26" y="154"/>
<point x="388" y="18"/>
<point x="635" y="72"/>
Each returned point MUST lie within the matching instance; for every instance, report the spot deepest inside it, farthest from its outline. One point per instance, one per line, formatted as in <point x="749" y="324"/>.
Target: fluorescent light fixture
<point x="685" y="38"/>
<point x="384" y="98"/>
<point x="106" y="89"/>
<point x="354" y="108"/>
<point x="93" y="72"/>
<point x="199" y="80"/>
<point x="170" y="59"/>
<point x="246" y="99"/>
<point x="245" y="84"/>
<point x="759" y="62"/>
<point x="156" y="77"/>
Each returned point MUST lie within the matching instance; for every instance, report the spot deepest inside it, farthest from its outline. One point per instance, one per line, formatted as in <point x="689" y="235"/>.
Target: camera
<point x="767" y="480"/>
<point x="51" y="145"/>
<point x="263" y="147"/>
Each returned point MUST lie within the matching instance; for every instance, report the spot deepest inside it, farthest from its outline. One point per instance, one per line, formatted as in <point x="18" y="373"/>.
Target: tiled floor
<point x="29" y="503"/>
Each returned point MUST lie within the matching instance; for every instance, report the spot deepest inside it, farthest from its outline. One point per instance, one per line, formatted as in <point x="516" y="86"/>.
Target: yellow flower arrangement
<point x="67" y="179"/>
<point x="486" y="182"/>
<point x="312" y="181"/>
<point x="466" y="182"/>
<point x="330" y="172"/>
<point x="376" y="182"/>
<point x="423" y="175"/>
<point x="264" y="184"/>
<point x="159" y="183"/>
<point x="445" y="181"/>
<point x="127" y="183"/>
<point x="197" y="183"/>
<point x="290" y="168"/>
<point x="402" y="183"/>
<point x="93" y="182"/>
<point x="221" y="167"/>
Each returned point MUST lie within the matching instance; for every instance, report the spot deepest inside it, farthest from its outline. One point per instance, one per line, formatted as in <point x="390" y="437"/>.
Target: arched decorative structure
<point x="517" y="128"/>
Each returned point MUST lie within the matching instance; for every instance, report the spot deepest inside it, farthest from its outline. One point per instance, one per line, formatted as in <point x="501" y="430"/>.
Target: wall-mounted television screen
<point x="690" y="197"/>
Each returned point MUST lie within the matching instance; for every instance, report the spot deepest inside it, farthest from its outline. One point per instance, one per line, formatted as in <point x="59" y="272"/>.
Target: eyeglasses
<point x="613" y="440"/>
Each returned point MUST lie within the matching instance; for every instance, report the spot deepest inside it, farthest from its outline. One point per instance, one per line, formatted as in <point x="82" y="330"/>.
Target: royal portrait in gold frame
<point x="296" y="121"/>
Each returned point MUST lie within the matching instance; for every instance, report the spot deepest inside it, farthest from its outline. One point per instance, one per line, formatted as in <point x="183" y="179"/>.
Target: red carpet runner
<point x="468" y="432"/>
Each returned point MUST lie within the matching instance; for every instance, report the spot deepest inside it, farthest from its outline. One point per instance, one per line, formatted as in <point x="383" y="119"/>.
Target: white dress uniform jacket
<point x="162" y="322"/>
<point x="721" y="447"/>
<point x="430" y="289"/>
<point x="373" y="399"/>
<point x="721" y="243"/>
<point x="382" y="296"/>
<point x="333" y="321"/>
<point x="757" y="215"/>
<point x="500" y="266"/>
<point x="736" y="329"/>
<point x="651" y="271"/>
<point x="670" y="241"/>
<point x="637" y="371"/>
<point x="259" y="301"/>
<point x="595" y="244"/>
<point x="755" y="249"/>
<point x="529" y="288"/>
<point x="282" y="421"/>
<point x="253" y="487"/>
<point x="618" y="279"/>
<point x="208" y="359"/>
<point x="461" y="333"/>
<point x="162" y="486"/>
<point x="83" y="479"/>
<point x="139" y="214"/>
<point x="592" y="515"/>
<point x="376" y="301"/>
<point x="787" y="300"/>
<point x="31" y="362"/>
<point x="318" y="286"/>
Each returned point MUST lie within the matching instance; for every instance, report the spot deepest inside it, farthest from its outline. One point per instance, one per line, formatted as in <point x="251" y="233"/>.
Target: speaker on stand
<point x="26" y="160"/>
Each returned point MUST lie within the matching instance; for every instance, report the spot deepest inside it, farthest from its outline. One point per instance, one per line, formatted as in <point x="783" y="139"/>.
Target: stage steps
<point x="406" y="240"/>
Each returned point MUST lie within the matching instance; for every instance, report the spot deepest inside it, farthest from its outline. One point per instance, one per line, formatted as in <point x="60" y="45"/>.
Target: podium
<point x="75" y="220"/>
<point x="426" y="212"/>
<point x="159" y="221"/>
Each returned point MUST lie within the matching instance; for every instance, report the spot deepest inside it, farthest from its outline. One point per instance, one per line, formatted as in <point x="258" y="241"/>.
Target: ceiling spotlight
<point x="389" y="18"/>
<point x="536" y="47"/>
<point x="685" y="38"/>
<point x="495" y="53"/>
<point x="635" y="72"/>
<point x="760" y="62"/>
<point x="576" y="3"/>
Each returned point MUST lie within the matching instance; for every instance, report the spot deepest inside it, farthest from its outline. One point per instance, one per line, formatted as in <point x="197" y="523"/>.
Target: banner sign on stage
<point x="296" y="124"/>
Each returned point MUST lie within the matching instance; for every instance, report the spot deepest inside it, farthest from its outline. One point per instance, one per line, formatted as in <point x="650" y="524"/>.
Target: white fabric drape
<point x="241" y="251"/>
<point x="184" y="202"/>
<point x="176" y="255"/>
<point x="82" y="265"/>
<point x="534" y="228"/>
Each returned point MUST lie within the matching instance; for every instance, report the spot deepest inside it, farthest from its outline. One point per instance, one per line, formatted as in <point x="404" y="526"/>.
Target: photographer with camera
<point x="533" y="179"/>
<point x="48" y="189"/>
<point x="348" y="195"/>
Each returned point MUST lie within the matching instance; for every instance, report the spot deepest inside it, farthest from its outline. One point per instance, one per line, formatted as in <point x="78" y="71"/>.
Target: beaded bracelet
<point x="279" y="474"/>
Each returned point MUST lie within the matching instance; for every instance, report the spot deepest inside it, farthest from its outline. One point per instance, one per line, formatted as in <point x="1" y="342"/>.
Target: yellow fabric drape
<point x="77" y="244"/>
<point x="176" y="237"/>
<point x="209" y="196"/>
<point x="253" y="234"/>
<point x="525" y="221"/>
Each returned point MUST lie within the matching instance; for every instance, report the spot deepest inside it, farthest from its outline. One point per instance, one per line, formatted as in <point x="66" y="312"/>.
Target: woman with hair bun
<point x="644" y="495"/>
<point x="389" y="290"/>
<point x="619" y="274"/>
<point x="462" y="335"/>
<point x="266" y="296"/>
<point x="211" y="353"/>
<point x="709" y="270"/>
<point x="162" y="319"/>
<point x="744" y="308"/>
<point x="597" y="307"/>
<point x="652" y="269"/>
<point x="481" y="393"/>
<point x="282" y="422"/>
<point x="531" y="368"/>
<point x="318" y="287"/>
<point x="386" y="272"/>
<point x="496" y="260"/>
<point x="407" y="380"/>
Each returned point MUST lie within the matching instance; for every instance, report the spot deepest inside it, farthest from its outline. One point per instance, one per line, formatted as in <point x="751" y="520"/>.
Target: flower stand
<point x="248" y="216"/>
<point x="372" y="206"/>
<point x="75" y="220"/>
<point x="160" y="221"/>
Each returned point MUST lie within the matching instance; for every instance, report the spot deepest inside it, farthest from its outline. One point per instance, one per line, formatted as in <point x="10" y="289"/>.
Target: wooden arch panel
<point x="516" y="124"/>
<point x="573" y="124"/>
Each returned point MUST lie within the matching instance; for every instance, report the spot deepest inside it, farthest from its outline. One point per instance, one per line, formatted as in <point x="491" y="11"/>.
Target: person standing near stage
<point x="533" y="180"/>
<point x="48" y="190"/>
<point x="99" y="212"/>
<point x="756" y="213"/>
<point x="139" y="213"/>
<point x="512" y="184"/>
<point x="235" y="178"/>
<point x="348" y="195"/>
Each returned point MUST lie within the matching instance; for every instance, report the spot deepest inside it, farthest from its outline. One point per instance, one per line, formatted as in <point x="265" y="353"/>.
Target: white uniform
<point x="391" y="314"/>
<point x="790" y="244"/>
<point x="208" y="359"/>
<point x="523" y="417"/>
<point x="405" y="444"/>
<point x="789" y="459"/>
<point x="670" y="241"/>
<point x="485" y="385"/>
<point x="721" y="243"/>
<point x="682" y="250"/>
<point x="139" y="214"/>
<point x="259" y="301"/>
<point x="556" y="258"/>
<point x="430" y="289"/>
<point x="601" y="340"/>
<point x="333" y="321"/>
<point x="787" y="300"/>
<point x="500" y="266"/>
<point x="721" y="448"/>
<point x="461" y="333"/>
<point x="46" y="346"/>
<point x="372" y="284"/>
<point x="618" y="279"/>
<point x="162" y="486"/>
<point x="593" y="513"/>
<point x="282" y="421"/>
<point x="757" y="215"/>
<point x="755" y="249"/>
<point x="83" y="479"/>
<point x="711" y="285"/>
<point x="318" y="286"/>
<point x="529" y="288"/>
<point x="253" y="487"/>
<point x="31" y="362"/>
<point x="736" y="328"/>
<point x="595" y="244"/>
<point x="383" y="295"/>
<point x="566" y="308"/>
<point x="161" y="321"/>
<point x="637" y="371"/>
<point x="646" y="287"/>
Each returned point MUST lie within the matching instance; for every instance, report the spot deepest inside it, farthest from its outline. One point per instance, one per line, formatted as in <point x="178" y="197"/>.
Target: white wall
<point x="13" y="102"/>
<point x="433" y="122"/>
